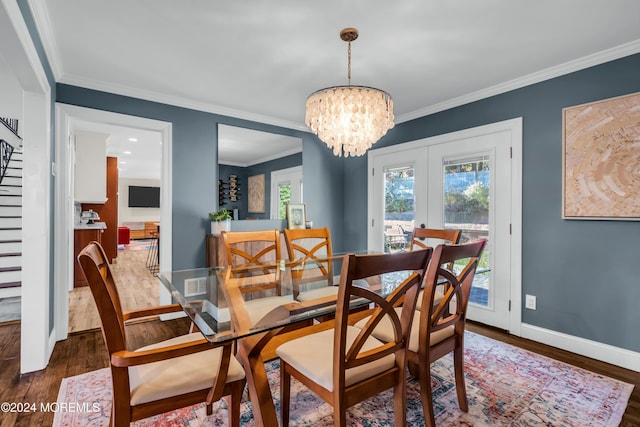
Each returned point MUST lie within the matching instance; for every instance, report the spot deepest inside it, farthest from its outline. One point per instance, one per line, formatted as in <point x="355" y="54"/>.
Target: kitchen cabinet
<point x="82" y="238"/>
<point x="90" y="167"/>
<point x="108" y="210"/>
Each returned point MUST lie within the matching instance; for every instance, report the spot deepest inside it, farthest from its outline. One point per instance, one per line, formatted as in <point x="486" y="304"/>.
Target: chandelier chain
<point x="349" y="62"/>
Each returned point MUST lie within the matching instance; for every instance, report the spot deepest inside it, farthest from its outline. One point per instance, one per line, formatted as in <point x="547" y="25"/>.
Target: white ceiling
<point x="260" y="60"/>
<point x="245" y="147"/>
<point x="139" y="151"/>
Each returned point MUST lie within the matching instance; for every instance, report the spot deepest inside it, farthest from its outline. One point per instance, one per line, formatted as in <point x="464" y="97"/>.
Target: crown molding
<point x="43" y="26"/>
<point x="262" y="159"/>
<point x="537" y="77"/>
<point x="176" y="101"/>
<point x="41" y="17"/>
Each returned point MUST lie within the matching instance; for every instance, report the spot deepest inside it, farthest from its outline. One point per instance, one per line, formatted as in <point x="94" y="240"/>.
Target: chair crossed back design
<point x="362" y="366"/>
<point x="250" y="250"/>
<point x="253" y="274"/>
<point x="145" y="381"/>
<point x="445" y="235"/>
<point x="310" y="251"/>
<point x="251" y="247"/>
<point x="441" y="328"/>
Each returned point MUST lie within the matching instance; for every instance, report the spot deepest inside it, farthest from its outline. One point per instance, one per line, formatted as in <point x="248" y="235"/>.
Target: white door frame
<point x="66" y="115"/>
<point x="277" y="176"/>
<point x="22" y="60"/>
<point x="514" y="126"/>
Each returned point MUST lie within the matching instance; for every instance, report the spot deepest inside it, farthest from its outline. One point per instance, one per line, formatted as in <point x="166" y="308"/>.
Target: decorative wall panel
<point x="601" y="159"/>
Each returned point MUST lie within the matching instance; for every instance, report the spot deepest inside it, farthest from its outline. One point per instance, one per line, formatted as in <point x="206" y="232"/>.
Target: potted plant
<point x="220" y="221"/>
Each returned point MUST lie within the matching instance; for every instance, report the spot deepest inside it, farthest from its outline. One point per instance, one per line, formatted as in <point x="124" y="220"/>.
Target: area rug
<point x="506" y="386"/>
<point x="137" y="245"/>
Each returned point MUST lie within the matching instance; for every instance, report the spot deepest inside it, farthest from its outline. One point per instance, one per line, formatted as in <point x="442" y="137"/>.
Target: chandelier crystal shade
<point x="349" y="119"/>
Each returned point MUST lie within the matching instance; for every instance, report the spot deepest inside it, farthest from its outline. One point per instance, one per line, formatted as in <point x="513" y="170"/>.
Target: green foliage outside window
<point x="285" y="198"/>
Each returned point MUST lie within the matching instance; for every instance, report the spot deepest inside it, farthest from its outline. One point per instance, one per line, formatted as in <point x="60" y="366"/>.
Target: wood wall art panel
<point x="601" y="159"/>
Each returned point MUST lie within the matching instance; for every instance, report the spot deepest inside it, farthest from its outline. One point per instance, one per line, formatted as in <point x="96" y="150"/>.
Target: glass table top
<point x="229" y="303"/>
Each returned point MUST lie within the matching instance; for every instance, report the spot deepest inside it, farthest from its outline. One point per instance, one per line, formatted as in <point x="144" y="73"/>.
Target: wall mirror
<point x="270" y="162"/>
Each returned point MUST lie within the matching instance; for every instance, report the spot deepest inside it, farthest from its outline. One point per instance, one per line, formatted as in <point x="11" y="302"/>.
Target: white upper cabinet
<point x="90" y="167"/>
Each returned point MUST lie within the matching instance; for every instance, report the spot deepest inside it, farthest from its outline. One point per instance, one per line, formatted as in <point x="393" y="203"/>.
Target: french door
<point x="286" y="187"/>
<point x="459" y="181"/>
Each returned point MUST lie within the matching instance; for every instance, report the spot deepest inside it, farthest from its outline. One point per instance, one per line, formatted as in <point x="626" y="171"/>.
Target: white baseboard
<point x="604" y="352"/>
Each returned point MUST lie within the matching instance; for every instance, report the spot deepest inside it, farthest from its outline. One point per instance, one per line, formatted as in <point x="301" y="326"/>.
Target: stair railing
<point x="6" y="150"/>
<point x="11" y="124"/>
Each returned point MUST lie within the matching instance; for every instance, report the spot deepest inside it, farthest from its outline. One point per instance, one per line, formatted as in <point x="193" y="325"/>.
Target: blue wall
<point x="266" y="168"/>
<point x="583" y="272"/>
<point x="195" y="176"/>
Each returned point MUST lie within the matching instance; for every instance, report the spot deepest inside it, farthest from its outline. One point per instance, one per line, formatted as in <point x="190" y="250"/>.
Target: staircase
<point x="11" y="238"/>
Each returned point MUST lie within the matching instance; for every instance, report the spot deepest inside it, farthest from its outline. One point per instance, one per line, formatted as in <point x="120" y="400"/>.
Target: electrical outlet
<point x="530" y="302"/>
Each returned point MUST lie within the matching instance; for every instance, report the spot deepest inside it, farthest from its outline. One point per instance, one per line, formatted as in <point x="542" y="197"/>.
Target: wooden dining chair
<point x="440" y="330"/>
<point x="310" y="251"/>
<point x="164" y="376"/>
<point x="251" y="247"/>
<point x="418" y="237"/>
<point x="253" y="258"/>
<point x="345" y="365"/>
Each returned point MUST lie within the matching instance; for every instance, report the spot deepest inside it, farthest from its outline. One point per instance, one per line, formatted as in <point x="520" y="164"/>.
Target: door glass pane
<point x="399" y="208"/>
<point x="284" y="197"/>
<point x="466" y="207"/>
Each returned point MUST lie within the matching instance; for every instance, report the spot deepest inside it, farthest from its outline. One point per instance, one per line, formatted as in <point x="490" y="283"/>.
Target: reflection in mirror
<point x="250" y="157"/>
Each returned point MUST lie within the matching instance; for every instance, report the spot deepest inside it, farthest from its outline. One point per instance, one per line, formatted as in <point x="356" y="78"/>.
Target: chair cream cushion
<point x="321" y="289"/>
<point x="258" y="308"/>
<point x="180" y="375"/>
<point x="312" y="355"/>
<point x="384" y="331"/>
<point x="321" y="292"/>
<point x="436" y="299"/>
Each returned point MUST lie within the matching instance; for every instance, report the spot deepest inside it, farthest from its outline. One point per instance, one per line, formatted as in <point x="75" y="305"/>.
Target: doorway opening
<point x="152" y="139"/>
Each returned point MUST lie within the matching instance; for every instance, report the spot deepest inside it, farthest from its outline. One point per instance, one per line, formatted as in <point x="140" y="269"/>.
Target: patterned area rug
<point x="137" y="245"/>
<point x="506" y="386"/>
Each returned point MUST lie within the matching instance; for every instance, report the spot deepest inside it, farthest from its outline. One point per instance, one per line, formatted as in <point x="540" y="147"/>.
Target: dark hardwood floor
<point x="85" y="351"/>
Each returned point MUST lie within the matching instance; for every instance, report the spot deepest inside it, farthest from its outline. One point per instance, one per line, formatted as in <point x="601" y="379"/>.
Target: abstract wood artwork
<point x="601" y="159"/>
<point x="256" y="193"/>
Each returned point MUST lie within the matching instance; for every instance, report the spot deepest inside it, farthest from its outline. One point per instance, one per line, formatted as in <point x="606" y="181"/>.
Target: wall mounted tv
<point x="144" y="197"/>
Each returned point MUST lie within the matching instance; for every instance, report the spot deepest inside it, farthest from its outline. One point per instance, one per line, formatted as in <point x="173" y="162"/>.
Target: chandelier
<point x="349" y="119"/>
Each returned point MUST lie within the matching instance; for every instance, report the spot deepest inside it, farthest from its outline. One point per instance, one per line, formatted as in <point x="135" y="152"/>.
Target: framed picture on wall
<point x="256" y="194"/>
<point x="296" y="216"/>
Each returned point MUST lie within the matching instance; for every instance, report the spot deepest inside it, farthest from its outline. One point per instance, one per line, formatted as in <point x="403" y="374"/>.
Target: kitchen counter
<point x="94" y="226"/>
<point x="82" y="235"/>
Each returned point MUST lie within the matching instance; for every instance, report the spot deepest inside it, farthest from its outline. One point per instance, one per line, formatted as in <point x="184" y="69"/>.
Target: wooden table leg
<point x="264" y="410"/>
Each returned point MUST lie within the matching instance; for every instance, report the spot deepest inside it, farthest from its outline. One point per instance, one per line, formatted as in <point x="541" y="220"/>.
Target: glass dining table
<point x="260" y="306"/>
